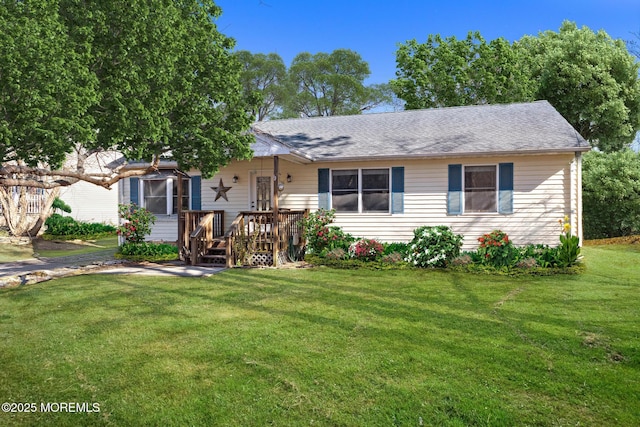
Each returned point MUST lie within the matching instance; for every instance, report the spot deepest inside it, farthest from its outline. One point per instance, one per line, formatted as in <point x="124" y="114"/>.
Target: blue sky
<point x="374" y="28"/>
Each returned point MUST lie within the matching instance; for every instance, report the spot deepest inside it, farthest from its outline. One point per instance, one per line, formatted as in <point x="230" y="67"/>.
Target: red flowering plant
<point x="366" y="249"/>
<point x="496" y="249"/>
<point x="137" y="223"/>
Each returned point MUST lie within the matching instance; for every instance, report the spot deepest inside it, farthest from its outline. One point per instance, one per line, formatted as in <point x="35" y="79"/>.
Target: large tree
<point x="591" y="79"/>
<point x="452" y="72"/>
<point x="329" y="84"/>
<point x="263" y="82"/>
<point x="145" y="79"/>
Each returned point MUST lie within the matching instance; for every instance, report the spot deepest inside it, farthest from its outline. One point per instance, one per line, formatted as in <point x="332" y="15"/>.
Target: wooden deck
<point x="254" y="238"/>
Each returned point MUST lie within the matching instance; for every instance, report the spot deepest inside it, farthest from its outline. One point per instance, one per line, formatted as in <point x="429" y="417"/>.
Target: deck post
<point x="180" y="219"/>
<point x="276" y="214"/>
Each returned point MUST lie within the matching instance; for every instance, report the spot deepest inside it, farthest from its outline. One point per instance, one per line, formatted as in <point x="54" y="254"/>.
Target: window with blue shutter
<point x="454" y="195"/>
<point x="134" y="190"/>
<point x="397" y="190"/>
<point x="323" y="189"/>
<point x="505" y="188"/>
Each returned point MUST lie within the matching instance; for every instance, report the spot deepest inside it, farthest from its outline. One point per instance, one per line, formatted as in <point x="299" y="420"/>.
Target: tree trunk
<point x="20" y="219"/>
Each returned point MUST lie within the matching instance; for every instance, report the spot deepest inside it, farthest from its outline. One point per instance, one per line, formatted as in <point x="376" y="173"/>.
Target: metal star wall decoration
<point x="221" y="191"/>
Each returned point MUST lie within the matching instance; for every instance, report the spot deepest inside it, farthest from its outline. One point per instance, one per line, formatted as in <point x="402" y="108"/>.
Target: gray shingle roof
<point x="473" y="130"/>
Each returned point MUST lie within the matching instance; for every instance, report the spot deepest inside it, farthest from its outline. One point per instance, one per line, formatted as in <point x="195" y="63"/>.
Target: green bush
<point x="146" y="251"/>
<point x="496" y="249"/>
<point x="396" y="247"/>
<point x="433" y="246"/>
<point x="59" y="204"/>
<point x="611" y="194"/>
<point x="68" y="228"/>
<point x="544" y="255"/>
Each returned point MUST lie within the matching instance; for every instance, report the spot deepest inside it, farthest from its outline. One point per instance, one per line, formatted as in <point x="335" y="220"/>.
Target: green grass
<point x="12" y="253"/>
<point x="47" y="249"/>
<point x="330" y="347"/>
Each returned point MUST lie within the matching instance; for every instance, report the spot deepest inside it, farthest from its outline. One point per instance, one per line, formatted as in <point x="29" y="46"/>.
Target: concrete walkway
<point x="41" y="269"/>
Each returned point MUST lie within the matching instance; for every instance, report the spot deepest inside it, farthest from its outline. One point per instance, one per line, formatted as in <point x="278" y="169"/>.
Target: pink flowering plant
<point x="366" y="249"/>
<point x="320" y="236"/>
<point x="137" y="223"/>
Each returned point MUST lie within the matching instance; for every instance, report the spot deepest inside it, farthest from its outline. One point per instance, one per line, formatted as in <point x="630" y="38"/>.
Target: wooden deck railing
<point x="252" y="232"/>
<point x="196" y="232"/>
<point x="291" y="231"/>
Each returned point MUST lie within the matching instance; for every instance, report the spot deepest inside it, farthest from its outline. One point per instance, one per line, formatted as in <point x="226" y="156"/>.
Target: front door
<point x="262" y="199"/>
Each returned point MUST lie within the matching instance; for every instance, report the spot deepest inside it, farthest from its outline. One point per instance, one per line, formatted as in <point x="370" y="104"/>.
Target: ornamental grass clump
<point x="433" y="246"/>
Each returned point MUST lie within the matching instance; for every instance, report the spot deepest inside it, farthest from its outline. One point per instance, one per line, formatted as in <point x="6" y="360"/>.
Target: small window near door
<point x="155" y="196"/>
<point x="160" y="195"/>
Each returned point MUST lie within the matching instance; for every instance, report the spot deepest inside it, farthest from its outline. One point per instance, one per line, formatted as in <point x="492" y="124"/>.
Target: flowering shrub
<point x="322" y="238"/>
<point x="433" y="246"/>
<point x="316" y="230"/>
<point x="569" y="248"/>
<point x="137" y="225"/>
<point x="366" y="249"/>
<point x="496" y="249"/>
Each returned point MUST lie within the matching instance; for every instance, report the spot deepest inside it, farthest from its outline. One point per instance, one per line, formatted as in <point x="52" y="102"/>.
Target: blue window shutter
<point x="196" y="193"/>
<point x="505" y="188"/>
<point x="454" y="196"/>
<point x="397" y="190"/>
<point x="134" y="190"/>
<point x="323" y="189"/>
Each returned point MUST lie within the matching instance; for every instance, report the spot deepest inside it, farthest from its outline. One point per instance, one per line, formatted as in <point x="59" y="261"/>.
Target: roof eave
<point x="567" y="150"/>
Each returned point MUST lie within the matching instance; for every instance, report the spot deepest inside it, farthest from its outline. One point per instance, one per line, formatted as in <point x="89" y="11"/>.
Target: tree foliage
<point x="147" y="79"/>
<point x="591" y="79"/>
<point x="451" y="72"/>
<point x="611" y="194"/>
<point x="143" y="79"/>
<point x="263" y="82"/>
<point x="329" y="84"/>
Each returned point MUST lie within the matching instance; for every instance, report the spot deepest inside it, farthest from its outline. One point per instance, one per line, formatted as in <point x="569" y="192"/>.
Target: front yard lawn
<point x="330" y="347"/>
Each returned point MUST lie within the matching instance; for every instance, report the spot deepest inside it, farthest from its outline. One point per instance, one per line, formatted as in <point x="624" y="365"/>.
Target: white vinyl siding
<point x="543" y="192"/>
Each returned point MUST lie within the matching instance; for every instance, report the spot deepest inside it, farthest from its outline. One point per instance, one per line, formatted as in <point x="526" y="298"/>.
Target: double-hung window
<point x="360" y="190"/>
<point x="480" y="189"/>
<point x="160" y="195"/>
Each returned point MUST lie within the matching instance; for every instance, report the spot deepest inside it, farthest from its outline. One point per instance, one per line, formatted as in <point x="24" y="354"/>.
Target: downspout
<point x="579" y="196"/>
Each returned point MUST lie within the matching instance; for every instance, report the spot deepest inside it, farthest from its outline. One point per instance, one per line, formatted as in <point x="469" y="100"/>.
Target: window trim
<point x="496" y="169"/>
<point x="360" y="193"/>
